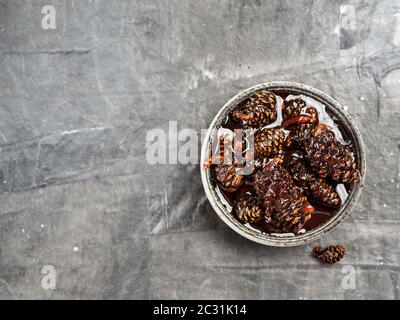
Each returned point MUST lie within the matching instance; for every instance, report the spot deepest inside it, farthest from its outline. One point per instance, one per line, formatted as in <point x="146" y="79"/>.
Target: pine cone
<point x="227" y="177"/>
<point x="298" y="135"/>
<point x="324" y="192"/>
<point x="284" y="202"/>
<point x="328" y="157"/>
<point x="247" y="209"/>
<point x="304" y="178"/>
<point x="258" y="111"/>
<point x="268" y="142"/>
<point x="296" y="166"/>
<point x="330" y="254"/>
<point x="292" y="108"/>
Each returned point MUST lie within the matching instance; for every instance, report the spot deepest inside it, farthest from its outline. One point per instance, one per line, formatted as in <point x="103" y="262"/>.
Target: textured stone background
<point x="75" y="106"/>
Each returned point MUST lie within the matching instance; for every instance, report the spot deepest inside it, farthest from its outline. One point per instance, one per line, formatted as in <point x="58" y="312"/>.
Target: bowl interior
<point x="282" y="240"/>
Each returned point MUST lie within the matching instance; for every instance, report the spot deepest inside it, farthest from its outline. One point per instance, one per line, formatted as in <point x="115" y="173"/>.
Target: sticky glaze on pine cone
<point x="298" y="135"/>
<point x="324" y="192"/>
<point x="296" y="166"/>
<point x="285" y="196"/>
<point x="258" y="111"/>
<point x="247" y="209"/>
<point x="227" y="177"/>
<point x="303" y="177"/>
<point x="292" y="108"/>
<point x="284" y="202"/>
<point x="328" y="157"/>
<point x="268" y="142"/>
<point x="331" y="254"/>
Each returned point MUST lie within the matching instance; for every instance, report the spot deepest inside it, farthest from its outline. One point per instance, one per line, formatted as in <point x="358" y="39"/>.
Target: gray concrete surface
<point x="76" y="103"/>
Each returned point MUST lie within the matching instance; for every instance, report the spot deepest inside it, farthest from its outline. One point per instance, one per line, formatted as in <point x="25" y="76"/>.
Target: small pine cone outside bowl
<point x="225" y="213"/>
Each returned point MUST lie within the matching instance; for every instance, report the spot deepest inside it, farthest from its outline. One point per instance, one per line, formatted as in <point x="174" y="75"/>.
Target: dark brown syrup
<point x="322" y="212"/>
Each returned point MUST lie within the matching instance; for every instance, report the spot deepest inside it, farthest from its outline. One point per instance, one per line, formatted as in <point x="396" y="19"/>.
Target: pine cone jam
<point x="304" y="164"/>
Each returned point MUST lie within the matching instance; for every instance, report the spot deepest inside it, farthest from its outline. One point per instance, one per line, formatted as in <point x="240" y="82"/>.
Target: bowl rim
<point x="275" y="239"/>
